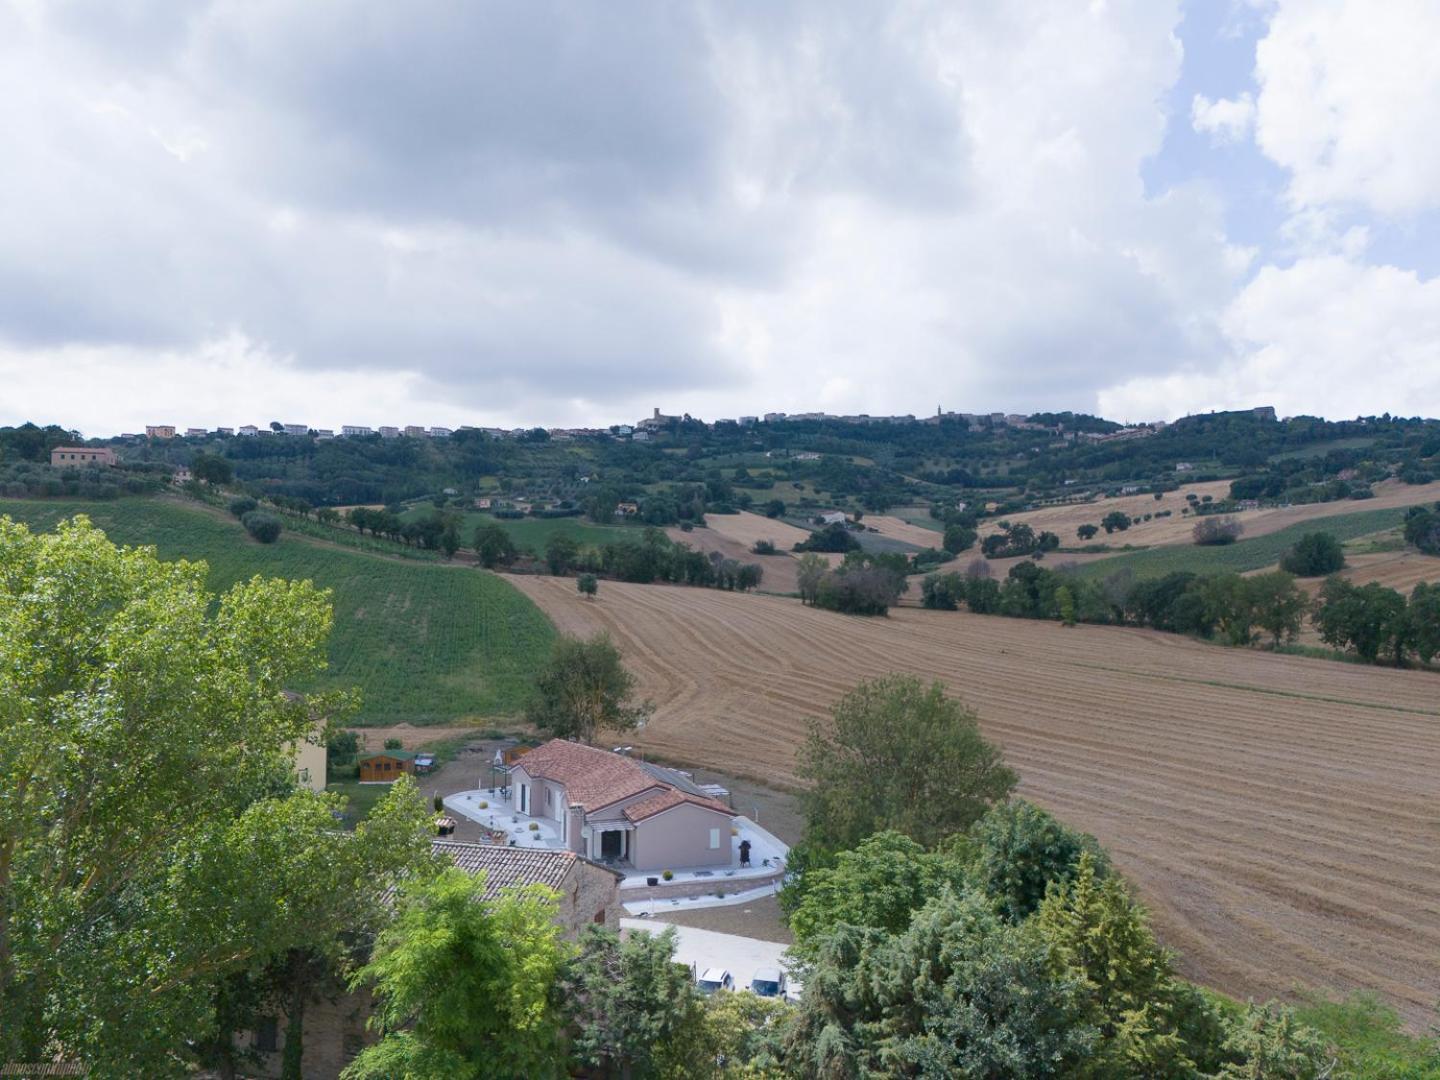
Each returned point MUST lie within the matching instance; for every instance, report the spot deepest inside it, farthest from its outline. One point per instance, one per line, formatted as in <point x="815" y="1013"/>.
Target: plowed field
<point x="1279" y="814"/>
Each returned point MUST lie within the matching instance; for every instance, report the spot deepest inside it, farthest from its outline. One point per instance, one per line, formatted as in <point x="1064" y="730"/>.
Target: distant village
<point x="645" y="429"/>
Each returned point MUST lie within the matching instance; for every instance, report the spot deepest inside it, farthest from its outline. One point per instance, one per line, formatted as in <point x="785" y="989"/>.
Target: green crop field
<point x="425" y="643"/>
<point x="535" y="533"/>
<point x="1243" y="555"/>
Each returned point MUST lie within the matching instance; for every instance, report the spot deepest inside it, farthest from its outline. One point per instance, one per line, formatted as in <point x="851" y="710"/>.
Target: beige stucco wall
<point x="309" y="758"/>
<point x="679" y="838"/>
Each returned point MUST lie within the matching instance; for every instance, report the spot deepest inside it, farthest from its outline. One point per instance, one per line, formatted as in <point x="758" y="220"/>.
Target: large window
<point x="714" y="839"/>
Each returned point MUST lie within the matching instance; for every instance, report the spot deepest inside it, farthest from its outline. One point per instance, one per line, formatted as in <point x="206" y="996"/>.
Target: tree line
<point x="1372" y="621"/>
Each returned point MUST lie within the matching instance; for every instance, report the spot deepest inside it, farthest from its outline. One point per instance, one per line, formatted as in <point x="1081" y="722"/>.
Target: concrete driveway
<point x="701" y="949"/>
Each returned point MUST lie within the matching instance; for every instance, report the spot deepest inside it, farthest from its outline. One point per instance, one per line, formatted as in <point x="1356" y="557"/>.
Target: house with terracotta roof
<point x="589" y="892"/>
<point x="619" y="811"/>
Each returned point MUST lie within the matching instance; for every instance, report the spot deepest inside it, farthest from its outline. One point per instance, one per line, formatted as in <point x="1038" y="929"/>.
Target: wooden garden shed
<point x="385" y="766"/>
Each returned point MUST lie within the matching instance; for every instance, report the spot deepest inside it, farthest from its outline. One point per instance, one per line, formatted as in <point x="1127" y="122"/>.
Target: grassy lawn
<point x="362" y="798"/>
<point x="424" y="643"/>
<point x="1242" y="555"/>
<point x="535" y="533"/>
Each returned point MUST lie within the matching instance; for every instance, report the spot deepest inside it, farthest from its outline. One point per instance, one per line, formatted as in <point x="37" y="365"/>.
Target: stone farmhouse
<point x="65" y="457"/>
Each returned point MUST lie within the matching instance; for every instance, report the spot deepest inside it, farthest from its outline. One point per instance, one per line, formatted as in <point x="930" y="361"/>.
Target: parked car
<point x="714" y="979"/>
<point x="769" y="982"/>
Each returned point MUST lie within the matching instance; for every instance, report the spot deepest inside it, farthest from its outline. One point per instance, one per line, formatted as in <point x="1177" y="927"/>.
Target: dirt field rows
<point x="1279" y="814"/>
<point x="1177" y="529"/>
<point x="746" y="528"/>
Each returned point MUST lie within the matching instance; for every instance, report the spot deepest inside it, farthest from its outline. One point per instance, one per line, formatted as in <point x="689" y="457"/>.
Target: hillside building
<point x="65" y="457"/>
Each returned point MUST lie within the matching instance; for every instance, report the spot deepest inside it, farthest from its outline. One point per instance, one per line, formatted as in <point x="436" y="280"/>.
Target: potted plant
<point x="668" y="875"/>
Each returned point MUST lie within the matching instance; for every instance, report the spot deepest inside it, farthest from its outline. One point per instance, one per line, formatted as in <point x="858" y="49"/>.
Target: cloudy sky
<point x="525" y="211"/>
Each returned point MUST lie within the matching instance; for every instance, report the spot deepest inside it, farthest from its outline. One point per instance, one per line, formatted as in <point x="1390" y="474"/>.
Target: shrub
<point x="242" y="506"/>
<point x="587" y="585"/>
<point x="534" y="826"/>
<point x="763" y="547"/>
<point x="667" y="874"/>
<point x="484" y="805"/>
<point x="393" y="744"/>
<point x="439" y="803"/>
<point x="262" y="526"/>
<point x="1314" y="555"/>
<point x="1212" y="531"/>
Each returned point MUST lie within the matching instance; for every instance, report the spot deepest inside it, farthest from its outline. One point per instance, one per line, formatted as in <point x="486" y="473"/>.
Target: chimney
<point x="574" y="832"/>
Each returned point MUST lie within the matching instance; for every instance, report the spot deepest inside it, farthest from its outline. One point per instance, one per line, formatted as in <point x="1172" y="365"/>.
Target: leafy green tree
<point x="877" y="885"/>
<point x="1115" y="521"/>
<point x="465" y="987"/>
<point x="587" y="585"/>
<point x="561" y="551"/>
<point x="1423" y="614"/>
<point x="141" y="720"/>
<point x="242" y="506"/>
<point x="1278" y="604"/>
<point x="600" y="506"/>
<point x="942" y="592"/>
<point x="810" y="572"/>
<point x="1273" y="1045"/>
<point x="1213" y="531"/>
<point x="212" y="469"/>
<point x="494" y="547"/>
<point x="1149" y="1023"/>
<point x="1065" y="605"/>
<point x="774" y="508"/>
<point x="584" y="689"/>
<point x="1369" y="619"/>
<point x="1229" y="605"/>
<point x="958" y="538"/>
<point x="958" y="994"/>
<point x="1315" y="554"/>
<point x="1087" y="531"/>
<point x="1018" y="851"/>
<point x="898" y="755"/>
<point x="1422" y="528"/>
<point x="263" y="527"/>
<point x="303" y="888"/>
<point x="742" y="1035"/>
<point x="634" y="1011"/>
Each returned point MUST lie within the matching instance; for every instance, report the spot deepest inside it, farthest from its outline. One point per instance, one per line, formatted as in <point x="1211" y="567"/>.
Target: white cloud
<point x="534" y="214"/>
<point x="1349" y="102"/>
<point x="1327" y="335"/>
<point x="1227" y="120"/>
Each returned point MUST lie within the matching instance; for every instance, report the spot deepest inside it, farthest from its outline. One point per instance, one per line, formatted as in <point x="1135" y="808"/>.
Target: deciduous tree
<point x="584" y="689"/>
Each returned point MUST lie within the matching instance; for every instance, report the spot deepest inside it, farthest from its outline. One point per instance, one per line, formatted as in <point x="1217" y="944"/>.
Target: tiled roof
<point x="664" y="800"/>
<point x="507" y="866"/>
<point x="592" y="778"/>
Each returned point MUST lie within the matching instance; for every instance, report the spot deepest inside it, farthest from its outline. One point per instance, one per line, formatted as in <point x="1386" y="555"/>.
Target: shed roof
<point x="399" y="755"/>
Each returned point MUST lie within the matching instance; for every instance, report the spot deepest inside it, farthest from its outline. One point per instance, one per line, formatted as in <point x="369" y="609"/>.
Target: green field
<point x="1242" y="555"/>
<point x="535" y="533"/>
<point x="424" y="643"/>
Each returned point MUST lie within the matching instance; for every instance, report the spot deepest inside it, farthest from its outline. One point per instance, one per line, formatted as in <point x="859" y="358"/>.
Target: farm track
<point x="1278" y="814"/>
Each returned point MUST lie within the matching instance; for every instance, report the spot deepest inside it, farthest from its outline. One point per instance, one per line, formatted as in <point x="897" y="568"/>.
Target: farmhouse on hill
<point x="621" y="811"/>
<point x="64" y="457"/>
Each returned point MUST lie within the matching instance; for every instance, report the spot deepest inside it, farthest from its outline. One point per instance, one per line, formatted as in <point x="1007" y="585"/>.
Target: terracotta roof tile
<point x="592" y="778"/>
<point x="664" y="800"/>
<point x="508" y="866"/>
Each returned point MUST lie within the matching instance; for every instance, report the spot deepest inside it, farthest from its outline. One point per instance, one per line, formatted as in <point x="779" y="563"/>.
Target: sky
<point x="521" y="212"/>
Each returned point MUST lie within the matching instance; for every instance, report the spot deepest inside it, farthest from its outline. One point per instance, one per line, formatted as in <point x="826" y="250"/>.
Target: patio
<point x="491" y="809"/>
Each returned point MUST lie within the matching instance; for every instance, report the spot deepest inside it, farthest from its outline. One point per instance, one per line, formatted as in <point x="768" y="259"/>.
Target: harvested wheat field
<point x="1178" y="528"/>
<point x="1278" y="814"/>
<point x="781" y="569"/>
<point x="895" y="529"/>
<point x="746" y="528"/>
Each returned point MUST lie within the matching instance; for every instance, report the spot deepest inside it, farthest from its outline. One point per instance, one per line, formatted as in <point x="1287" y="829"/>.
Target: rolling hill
<point x="425" y="643"/>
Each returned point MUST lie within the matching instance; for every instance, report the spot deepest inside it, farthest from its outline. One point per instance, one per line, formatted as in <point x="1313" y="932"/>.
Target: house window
<point x="714" y="839"/>
<point x="267" y="1036"/>
<point x="599" y="917"/>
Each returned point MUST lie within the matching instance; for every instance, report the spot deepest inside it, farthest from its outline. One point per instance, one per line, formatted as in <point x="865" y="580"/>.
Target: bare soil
<point x="1278" y="814"/>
